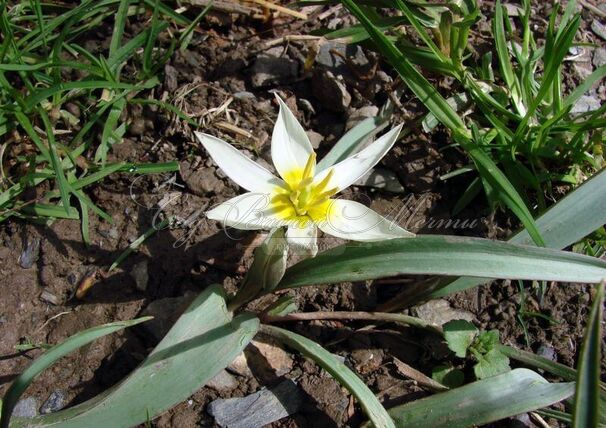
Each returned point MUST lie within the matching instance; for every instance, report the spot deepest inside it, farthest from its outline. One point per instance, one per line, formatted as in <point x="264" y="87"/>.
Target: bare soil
<point x="37" y="304"/>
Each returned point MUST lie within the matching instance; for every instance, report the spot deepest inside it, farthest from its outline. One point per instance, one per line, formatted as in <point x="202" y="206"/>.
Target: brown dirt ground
<point x="181" y="261"/>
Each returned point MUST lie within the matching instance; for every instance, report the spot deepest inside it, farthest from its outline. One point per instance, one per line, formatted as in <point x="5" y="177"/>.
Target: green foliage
<point x="42" y="69"/>
<point x="588" y="411"/>
<point x="448" y="376"/>
<point x="203" y="341"/>
<point x="463" y="338"/>
<point x="481" y="402"/>
<point x="442" y="255"/>
<point x="459" y="335"/>
<point x="535" y="140"/>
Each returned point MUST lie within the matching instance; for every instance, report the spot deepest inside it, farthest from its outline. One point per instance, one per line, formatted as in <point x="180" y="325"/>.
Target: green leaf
<point x="448" y="376"/>
<point x="586" y="411"/>
<point x="493" y="363"/>
<point x="459" y="335"/>
<point x="267" y="269"/>
<point x="506" y="192"/>
<point x="515" y="392"/>
<point x="49" y="357"/>
<point x="204" y="340"/>
<point x="410" y="75"/>
<point x="351" y="141"/>
<point x="371" y="405"/>
<point x="443" y="255"/>
<point x="573" y="217"/>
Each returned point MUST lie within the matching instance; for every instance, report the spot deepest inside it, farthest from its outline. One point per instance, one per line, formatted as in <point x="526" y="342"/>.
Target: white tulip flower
<point x="301" y="199"/>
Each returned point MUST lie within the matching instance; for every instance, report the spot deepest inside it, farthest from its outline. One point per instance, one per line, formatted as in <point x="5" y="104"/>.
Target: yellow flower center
<point x="304" y="200"/>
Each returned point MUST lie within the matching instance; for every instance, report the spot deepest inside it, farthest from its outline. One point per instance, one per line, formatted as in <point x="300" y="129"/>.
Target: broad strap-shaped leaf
<point x="47" y="359"/>
<point x="573" y="217"/>
<point x="371" y="405"/>
<point x="443" y="255"/>
<point x="203" y="341"/>
<point x="587" y="407"/>
<point x="512" y="393"/>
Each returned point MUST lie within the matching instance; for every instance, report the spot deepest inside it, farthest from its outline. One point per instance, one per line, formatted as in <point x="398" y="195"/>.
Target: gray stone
<point x="548" y="352"/>
<point x="137" y="127"/>
<point x="244" y="95"/>
<point x="258" y="409"/>
<point x="585" y="104"/>
<point x="331" y="56"/>
<point x="439" y="312"/>
<point x="599" y="57"/>
<point x="30" y="254"/>
<point x="270" y="70"/>
<point x="140" y="275"/>
<point x="599" y="28"/>
<point x="170" y="78"/>
<point x="223" y="382"/>
<point x="331" y="90"/>
<point x="26" y="408"/>
<point x="55" y="402"/>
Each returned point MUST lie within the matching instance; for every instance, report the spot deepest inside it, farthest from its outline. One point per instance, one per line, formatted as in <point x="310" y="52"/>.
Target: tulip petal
<point x="242" y="170"/>
<point x="349" y="170"/>
<point x="303" y="236"/>
<point x="354" y="221"/>
<point x="290" y="146"/>
<point x="249" y="211"/>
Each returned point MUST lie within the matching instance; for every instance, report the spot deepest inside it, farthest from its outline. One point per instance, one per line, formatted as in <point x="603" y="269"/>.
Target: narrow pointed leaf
<point x="52" y="355"/>
<point x="443" y="255"/>
<point x="573" y="217"/>
<point x="478" y="403"/>
<point x="371" y="405"/>
<point x="204" y="340"/>
<point x="586" y="412"/>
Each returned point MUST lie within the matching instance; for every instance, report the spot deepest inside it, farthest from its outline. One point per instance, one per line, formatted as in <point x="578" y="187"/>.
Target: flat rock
<point x="599" y="28"/>
<point x="439" y="312"/>
<point x="223" y="382"/>
<point x="140" y="275"/>
<point x="332" y="57"/>
<point x="201" y="180"/>
<point x="360" y="114"/>
<point x="599" y="57"/>
<point x="26" y="408"/>
<point x="315" y="138"/>
<point x="269" y="356"/>
<point x="381" y="178"/>
<point x="258" y="409"/>
<point x="585" y="104"/>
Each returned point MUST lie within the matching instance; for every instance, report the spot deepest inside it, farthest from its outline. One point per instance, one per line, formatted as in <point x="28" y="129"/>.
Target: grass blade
<point x="409" y="74"/>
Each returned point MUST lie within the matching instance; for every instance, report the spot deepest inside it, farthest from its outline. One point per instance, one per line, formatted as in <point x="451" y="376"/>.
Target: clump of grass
<point x="522" y="116"/>
<point x="46" y="146"/>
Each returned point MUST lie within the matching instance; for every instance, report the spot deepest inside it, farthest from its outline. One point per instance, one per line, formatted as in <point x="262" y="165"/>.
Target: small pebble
<point x="30" y="254"/>
<point x="56" y="401"/>
<point x="548" y="352"/>
<point x="49" y="297"/>
<point x="26" y="408"/>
